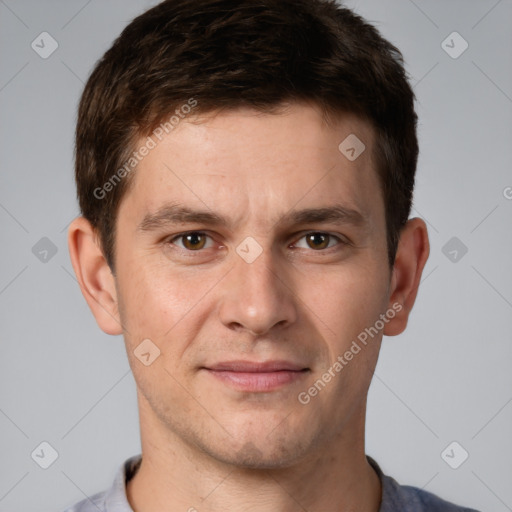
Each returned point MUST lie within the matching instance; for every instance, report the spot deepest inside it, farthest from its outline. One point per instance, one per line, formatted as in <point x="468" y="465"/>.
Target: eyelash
<point x="330" y="235"/>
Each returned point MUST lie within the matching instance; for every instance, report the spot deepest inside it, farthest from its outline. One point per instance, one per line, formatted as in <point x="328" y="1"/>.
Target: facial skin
<point x="231" y="439"/>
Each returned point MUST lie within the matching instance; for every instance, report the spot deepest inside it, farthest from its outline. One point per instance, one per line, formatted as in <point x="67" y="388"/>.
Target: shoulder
<point x="411" y="499"/>
<point x="113" y="499"/>
<point x="95" y="503"/>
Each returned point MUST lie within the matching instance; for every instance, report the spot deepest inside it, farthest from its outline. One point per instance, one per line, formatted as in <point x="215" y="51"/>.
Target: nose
<point x="258" y="296"/>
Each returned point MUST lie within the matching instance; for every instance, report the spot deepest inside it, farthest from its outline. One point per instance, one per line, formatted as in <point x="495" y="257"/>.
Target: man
<point x="245" y="173"/>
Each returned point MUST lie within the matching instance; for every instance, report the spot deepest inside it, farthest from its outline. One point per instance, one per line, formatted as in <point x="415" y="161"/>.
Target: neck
<point x="175" y="476"/>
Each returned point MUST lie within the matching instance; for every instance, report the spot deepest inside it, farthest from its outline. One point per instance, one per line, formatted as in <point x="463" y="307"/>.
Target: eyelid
<point x="340" y="239"/>
<point x="170" y="240"/>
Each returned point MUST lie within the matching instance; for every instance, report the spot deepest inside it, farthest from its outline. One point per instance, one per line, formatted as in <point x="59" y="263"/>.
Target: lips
<point x="254" y="367"/>
<point x="252" y="376"/>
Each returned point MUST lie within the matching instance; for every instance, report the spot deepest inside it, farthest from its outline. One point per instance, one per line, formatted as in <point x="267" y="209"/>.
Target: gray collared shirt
<point x="395" y="497"/>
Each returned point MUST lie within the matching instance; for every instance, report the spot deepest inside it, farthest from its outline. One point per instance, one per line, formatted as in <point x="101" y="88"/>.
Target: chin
<point x="262" y="453"/>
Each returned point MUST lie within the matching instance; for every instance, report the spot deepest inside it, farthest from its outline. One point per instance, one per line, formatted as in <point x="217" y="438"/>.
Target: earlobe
<point x="411" y="257"/>
<point x="94" y="275"/>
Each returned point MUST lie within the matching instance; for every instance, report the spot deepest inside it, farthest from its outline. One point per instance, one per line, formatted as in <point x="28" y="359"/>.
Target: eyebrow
<point x="170" y="214"/>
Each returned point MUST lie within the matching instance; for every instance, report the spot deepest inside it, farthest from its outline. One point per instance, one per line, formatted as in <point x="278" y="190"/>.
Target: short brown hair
<point x="226" y="54"/>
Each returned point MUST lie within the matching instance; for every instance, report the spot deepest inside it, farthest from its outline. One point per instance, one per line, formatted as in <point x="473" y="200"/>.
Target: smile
<point x="257" y="377"/>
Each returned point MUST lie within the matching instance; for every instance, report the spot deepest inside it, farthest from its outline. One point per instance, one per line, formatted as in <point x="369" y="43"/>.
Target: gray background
<point x="447" y="378"/>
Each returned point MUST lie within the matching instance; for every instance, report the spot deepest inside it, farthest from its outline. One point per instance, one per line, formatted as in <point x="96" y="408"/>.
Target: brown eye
<point x="193" y="241"/>
<point x="317" y="240"/>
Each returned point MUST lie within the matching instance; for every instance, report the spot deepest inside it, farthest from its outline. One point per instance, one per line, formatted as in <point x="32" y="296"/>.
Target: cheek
<point x="347" y="304"/>
<point x="142" y="294"/>
<point x="347" y="300"/>
<point x="156" y="302"/>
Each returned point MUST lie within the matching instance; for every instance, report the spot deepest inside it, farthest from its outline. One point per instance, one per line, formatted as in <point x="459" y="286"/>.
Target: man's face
<point x="266" y="286"/>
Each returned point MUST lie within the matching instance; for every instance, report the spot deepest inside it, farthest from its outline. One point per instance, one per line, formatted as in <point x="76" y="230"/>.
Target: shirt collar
<point x="116" y="499"/>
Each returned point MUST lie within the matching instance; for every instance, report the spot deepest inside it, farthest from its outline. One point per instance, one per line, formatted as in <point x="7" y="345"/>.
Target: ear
<point x="412" y="254"/>
<point x="94" y="275"/>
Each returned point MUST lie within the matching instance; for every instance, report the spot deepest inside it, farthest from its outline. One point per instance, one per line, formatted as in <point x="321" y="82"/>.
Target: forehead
<point x="245" y="163"/>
